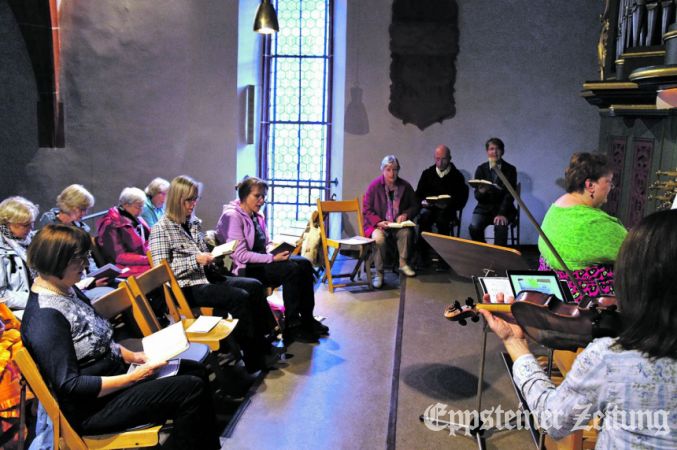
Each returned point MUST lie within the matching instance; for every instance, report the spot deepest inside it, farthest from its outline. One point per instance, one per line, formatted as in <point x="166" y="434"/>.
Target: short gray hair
<point x="388" y="160"/>
<point x="156" y="186"/>
<point x="131" y="195"/>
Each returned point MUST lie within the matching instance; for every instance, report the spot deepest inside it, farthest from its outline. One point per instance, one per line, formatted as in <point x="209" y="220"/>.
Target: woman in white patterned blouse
<point x="631" y="380"/>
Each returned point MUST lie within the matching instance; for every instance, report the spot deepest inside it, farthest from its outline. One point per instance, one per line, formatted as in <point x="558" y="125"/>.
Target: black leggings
<point x="296" y="277"/>
<point x="245" y="299"/>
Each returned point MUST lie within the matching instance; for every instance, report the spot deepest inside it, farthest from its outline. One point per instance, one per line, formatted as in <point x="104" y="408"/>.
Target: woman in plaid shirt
<point x="178" y="238"/>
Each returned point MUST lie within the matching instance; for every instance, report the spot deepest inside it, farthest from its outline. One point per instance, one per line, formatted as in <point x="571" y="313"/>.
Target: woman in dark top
<point x="73" y="347"/>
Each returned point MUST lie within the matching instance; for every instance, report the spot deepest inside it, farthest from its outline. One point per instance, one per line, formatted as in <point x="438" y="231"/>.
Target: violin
<point x="548" y="320"/>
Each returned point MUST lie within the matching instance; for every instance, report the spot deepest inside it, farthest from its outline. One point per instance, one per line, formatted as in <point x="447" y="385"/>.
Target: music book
<point x="107" y="271"/>
<point x="356" y="240"/>
<point x="165" y="344"/>
<point x="224" y="249"/>
<point x="405" y="224"/>
<point x="204" y="324"/>
<point x="282" y="247"/>
<point x="437" y="198"/>
<point x="478" y="183"/>
<point x="171" y="369"/>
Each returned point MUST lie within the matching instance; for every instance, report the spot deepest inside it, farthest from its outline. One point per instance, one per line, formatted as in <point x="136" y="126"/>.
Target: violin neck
<point x="494" y="307"/>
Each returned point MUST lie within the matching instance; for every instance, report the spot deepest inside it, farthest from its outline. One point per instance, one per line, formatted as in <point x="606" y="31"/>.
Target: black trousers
<point x="245" y="299"/>
<point x="186" y="398"/>
<point x="439" y="217"/>
<point x="480" y="221"/>
<point x="296" y="277"/>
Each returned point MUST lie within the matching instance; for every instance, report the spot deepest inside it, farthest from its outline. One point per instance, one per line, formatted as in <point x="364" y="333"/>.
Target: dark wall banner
<point x="423" y="47"/>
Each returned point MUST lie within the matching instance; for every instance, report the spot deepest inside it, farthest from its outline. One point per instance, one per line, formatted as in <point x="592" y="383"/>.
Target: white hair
<point x="131" y="195"/>
<point x="388" y="160"/>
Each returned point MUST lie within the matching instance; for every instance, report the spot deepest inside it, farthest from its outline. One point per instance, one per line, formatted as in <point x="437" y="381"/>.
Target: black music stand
<point x="468" y="259"/>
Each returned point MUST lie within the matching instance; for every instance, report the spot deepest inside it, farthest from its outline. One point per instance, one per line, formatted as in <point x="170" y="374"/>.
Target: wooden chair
<point x="162" y="276"/>
<point x="121" y="300"/>
<point x="364" y="245"/>
<point x="514" y="225"/>
<point x="204" y="311"/>
<point x="64" y="434"/>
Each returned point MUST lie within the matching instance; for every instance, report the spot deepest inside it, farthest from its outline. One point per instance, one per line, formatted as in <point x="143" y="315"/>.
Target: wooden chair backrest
<point x="339" y="206"/>
<point x="120" y="300"/>
<point x="162" y="276"/>
<point x="64" y="435"/>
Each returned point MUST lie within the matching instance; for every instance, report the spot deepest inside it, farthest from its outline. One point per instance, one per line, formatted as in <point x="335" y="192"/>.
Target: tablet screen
<point x="545" y="282"/>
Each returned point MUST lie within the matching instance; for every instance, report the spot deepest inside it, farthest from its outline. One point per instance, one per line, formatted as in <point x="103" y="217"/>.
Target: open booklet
<point x="224" y="249"/>
<point x="437" y="198"/>
<point x="478" y="183"/>
<point x="172" y="368"/>
<point x="165" y="344"/>
<point x="109" y="272"/>
<point x="204" y="324"/>
<point x="276" y="248"/>
<point x="405" y="224"/>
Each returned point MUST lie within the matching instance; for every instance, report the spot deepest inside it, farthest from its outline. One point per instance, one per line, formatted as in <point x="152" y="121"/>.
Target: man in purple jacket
<point x="387" y="205"/>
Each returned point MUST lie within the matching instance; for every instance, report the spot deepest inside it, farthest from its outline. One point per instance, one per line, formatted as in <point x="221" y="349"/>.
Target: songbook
<point x="224" y="249"/>
<point x="165" y="344"/>
<point x="171" y="369"/>
<point x="437" y="198"/>
<point x="107" y="271"/>
<point x="405" y="224"/>
<point x="355" y="240"/>
<point x="486" y="183"/>
<point x="281" y="247"/>
<point x="204" y="324"/>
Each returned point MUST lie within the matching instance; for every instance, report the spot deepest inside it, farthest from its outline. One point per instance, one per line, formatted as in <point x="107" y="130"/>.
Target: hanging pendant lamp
<point x="266" y="19"/>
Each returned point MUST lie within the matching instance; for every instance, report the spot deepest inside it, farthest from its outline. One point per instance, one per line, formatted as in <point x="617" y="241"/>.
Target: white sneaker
<point x="377" y="281"/>
<point x="408" y="271"/>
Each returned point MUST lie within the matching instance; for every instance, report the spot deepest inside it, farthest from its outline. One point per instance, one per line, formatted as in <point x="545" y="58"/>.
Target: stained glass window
<point x="296" y="122"/>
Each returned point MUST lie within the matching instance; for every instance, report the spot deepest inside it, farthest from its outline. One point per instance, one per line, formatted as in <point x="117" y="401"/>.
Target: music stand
<point x="469" y="258"/>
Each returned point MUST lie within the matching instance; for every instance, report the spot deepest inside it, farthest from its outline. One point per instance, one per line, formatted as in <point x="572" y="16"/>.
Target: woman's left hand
<point x="401" y="218"/>
<point x="131" y="357"/>
<point x="512" y="335"/>
<point x="139" y="358"/>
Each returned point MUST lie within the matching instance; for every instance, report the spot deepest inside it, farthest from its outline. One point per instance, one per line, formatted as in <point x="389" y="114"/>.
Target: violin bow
<point x="534" y="222"/>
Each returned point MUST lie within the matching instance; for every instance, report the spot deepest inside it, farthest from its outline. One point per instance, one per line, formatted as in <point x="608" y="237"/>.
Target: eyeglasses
<point x="193" y="199"/>
<point x="80" y="262"/>
<point x="25" y="225"/>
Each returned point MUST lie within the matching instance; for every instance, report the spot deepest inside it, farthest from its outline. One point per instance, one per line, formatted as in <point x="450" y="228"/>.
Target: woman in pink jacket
<point x="123" y="235"/>
<point x="242" y="220"/>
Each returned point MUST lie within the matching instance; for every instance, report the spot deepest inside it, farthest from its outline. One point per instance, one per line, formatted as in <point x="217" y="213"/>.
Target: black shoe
<point x="317" y="326"/>
<point x="299" y="333"/>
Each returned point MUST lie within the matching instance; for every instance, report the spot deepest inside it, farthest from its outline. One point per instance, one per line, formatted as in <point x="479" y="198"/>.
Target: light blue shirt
<point x="637" y="396"/>
<point x="151" y="214"/>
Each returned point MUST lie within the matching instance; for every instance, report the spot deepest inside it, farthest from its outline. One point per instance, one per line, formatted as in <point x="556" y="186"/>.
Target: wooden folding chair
<point x="363" y="244"/>
<point x="64" y="434"/>
<point x="205" y="311"/>
<point x="162" y="276"/>
<point x="121" y="300"/>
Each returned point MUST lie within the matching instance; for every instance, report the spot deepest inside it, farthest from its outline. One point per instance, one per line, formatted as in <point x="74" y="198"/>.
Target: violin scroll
<point x="460" y="313"/>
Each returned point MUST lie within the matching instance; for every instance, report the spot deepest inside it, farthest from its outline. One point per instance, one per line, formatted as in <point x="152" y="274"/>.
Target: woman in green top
<point x="587" y="238"/>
